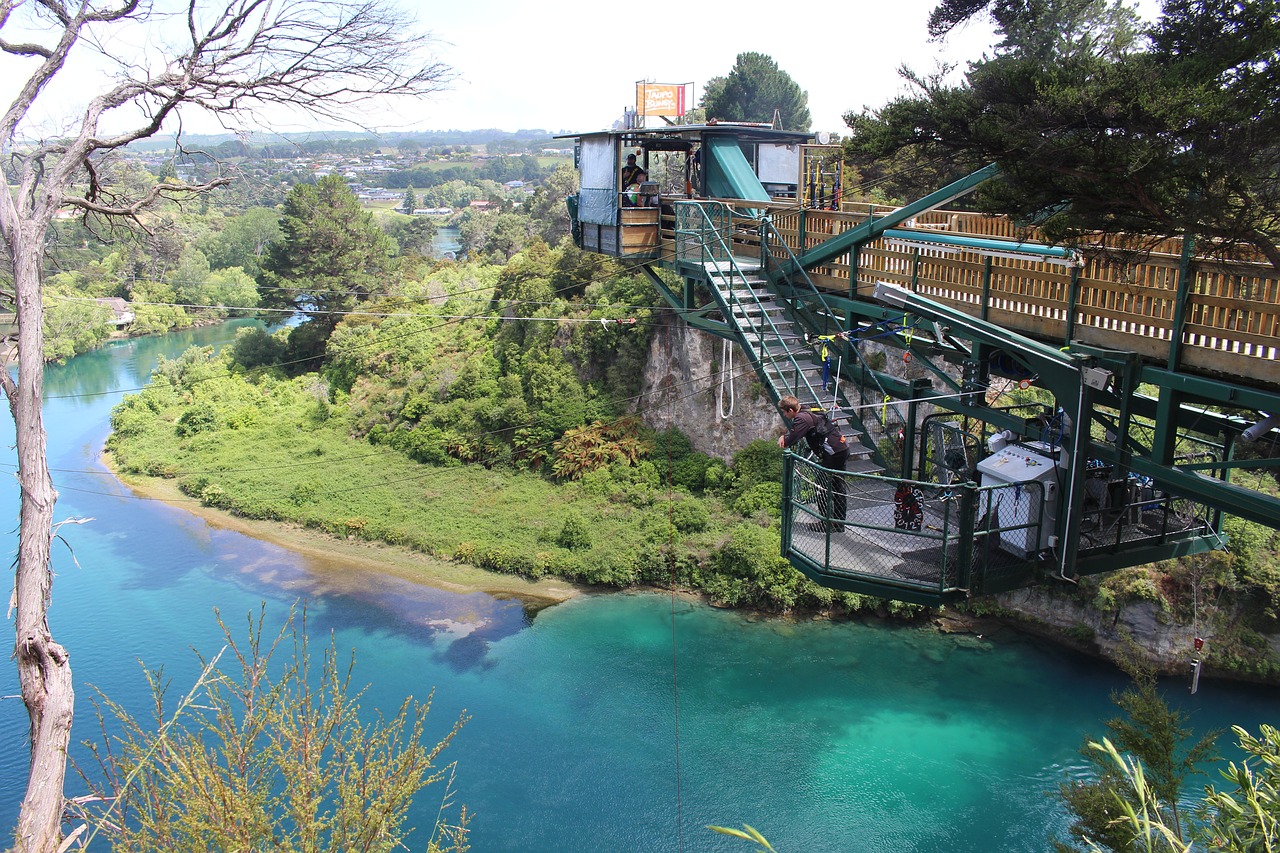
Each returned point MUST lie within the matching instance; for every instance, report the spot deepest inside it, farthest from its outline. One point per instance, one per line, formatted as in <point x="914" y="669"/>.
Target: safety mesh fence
<point x="909" y="533"/>
<point x="1132" y="510"/>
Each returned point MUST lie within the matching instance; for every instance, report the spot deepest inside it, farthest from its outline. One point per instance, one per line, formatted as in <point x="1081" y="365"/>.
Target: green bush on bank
<point x="619" y="526"/>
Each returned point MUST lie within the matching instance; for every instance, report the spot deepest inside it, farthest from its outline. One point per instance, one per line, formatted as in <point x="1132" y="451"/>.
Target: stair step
<point x="862" y="466"/>
<point x="746" y="265"/>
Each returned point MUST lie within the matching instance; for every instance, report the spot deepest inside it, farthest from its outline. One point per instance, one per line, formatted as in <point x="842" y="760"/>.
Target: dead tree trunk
<point x="44" y="671"/>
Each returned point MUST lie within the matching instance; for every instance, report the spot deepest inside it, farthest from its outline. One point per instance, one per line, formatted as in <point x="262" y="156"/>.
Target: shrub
<point x="688" y="515"/>
<point x="303" y="493"/>
<point x="265" y="782"/>
<point x="717" y="477"/>
<point x="200" y="417"/>
<point x="762" y="497"/>
<point x="575" y="535"/>
<point x="1081" y="633"/>
<point x="690" y="472"/>
<point x="506" y="560"/>
<point x="758" y="462"/>
<point x="671" y="444"/>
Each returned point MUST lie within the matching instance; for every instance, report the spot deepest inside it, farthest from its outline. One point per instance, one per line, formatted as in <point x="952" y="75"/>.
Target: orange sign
<point x="660" y="99"/>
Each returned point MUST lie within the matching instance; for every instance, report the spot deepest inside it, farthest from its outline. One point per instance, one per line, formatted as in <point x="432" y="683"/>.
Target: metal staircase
<point x="772" y="336"/>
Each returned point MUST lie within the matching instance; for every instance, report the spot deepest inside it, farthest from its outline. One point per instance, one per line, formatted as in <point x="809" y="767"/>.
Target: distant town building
<point x="122" y="314"/>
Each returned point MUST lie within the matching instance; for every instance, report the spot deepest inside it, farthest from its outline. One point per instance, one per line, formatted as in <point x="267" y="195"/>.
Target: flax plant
<point x="272" y="755"/>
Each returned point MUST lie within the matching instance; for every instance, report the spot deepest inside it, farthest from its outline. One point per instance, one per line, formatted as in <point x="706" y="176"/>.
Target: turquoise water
<point x="612" y="722"/>
<point x="447" y="241"/>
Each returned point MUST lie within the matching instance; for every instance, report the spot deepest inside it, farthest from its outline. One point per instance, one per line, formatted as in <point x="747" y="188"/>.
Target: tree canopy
<point x="1101" y="128"/>
<point x="332" y="254"/>
<point x="754" y="90"/>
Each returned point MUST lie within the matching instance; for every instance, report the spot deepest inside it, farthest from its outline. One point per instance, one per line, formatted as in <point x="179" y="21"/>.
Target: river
<point x="608" y="723"/>
<point x="447" y="242"/>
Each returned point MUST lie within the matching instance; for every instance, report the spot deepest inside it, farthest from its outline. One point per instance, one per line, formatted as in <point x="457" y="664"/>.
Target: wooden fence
<point x="1228" y="325"/>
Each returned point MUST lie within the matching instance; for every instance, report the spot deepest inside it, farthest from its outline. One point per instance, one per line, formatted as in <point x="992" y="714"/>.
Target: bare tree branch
<point x="147" y="199"/>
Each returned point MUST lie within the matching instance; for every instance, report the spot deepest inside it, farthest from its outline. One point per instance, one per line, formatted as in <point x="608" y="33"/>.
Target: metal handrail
<point x="763" y="356"/>
<point x="767" y="255"/>
<point x="952" y="532"/>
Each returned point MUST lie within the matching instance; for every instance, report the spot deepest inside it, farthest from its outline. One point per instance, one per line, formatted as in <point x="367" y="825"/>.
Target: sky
<point x="573" y="67"/>
<point x="561" y="66"/>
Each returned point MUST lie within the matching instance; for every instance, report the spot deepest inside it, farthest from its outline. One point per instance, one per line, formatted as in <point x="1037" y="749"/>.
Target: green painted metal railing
<point x="965" y="538"/>
<point x="703" y="234"/>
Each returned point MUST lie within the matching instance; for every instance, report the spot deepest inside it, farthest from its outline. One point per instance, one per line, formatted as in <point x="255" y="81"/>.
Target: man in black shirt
<point x="827" y="443"/>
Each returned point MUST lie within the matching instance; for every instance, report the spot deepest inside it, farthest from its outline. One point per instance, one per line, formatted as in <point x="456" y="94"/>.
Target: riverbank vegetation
<point x="447" y="431"/>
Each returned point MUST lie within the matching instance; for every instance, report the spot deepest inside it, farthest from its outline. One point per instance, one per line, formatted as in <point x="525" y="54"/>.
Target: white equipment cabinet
<point x="1028" y="511"/>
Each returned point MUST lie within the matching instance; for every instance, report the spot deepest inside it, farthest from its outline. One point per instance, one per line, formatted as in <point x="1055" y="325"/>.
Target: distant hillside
<point x="484" y="136"/>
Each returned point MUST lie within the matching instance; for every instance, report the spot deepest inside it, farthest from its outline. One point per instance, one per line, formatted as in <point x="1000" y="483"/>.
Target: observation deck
<point x="1147" y="385"/>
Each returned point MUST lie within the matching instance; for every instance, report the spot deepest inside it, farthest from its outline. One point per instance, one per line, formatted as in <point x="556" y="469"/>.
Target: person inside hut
<point x="629" y="171"/>
<point x="632" y="177"/>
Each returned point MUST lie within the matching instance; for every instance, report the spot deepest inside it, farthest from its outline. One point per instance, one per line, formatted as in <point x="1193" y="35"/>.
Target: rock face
<point x="1167" y="644"/>
<point x="708" y="391"/>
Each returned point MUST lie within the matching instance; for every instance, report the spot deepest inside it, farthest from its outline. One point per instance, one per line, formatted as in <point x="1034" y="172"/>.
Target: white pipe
<point x="1261" y="428"/>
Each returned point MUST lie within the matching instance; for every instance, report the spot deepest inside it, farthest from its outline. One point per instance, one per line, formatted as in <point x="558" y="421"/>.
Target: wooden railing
<point x="1229" y="322"/>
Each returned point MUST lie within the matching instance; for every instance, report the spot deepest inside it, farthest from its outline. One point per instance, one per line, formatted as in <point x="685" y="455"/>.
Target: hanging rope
<point x="726" y="372"/>
<point x="671" y="563"/>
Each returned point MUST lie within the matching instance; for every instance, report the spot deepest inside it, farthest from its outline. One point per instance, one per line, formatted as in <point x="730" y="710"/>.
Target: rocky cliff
<point x="707" y="390"/>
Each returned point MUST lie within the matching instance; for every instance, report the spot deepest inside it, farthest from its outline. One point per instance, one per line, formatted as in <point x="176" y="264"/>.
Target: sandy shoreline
<point x="333" y="555"/>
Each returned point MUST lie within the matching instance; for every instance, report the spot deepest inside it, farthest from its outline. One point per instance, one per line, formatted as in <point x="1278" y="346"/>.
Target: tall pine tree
<point x="332" y="256"/>
<point x="755" y="89"/>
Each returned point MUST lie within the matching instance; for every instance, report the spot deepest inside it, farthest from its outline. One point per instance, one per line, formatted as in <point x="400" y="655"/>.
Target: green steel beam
<point x="1213" y="391"/>
<point x="1095" y="562"/>
<point x="872" y="229"/>
<point x="696" y="317"/>
<point x="1230" y="464"/>
<point x="1228" y="497"/>
<point x="980" y="244"/>
<point x="1043" y="359"/>
<point x="873" y="585"/>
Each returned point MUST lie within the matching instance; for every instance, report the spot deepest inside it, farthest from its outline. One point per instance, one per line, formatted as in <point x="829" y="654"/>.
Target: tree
<point x="229" y="59"/>
<point x="410" y="203"/>
<point x="73" y="323"/>
<point x="1246" y="814"/>
<point x="1101" y="134"/>
<point x="547" y="208"/>
<point x="332" y="256"/>
<point x="755" y="90"/>
<point x="1160" y="740"/>
<point x="413" y="235"/>
<point x="1243" y="818"/>
<point x="1048" y="29"/>
<point x="243" y="241"/>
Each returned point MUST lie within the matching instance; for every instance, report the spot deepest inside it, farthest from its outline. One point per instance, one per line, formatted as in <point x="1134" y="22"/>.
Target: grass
<point x="288" y="468"/>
